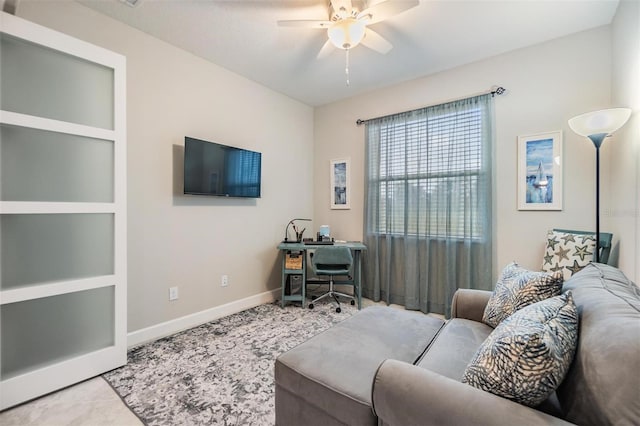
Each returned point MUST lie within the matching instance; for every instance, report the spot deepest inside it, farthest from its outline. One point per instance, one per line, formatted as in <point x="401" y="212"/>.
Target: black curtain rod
<point x="497" y="91"/>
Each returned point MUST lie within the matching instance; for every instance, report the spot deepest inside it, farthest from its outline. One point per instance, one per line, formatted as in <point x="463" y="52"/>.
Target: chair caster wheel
<point x="310" y="305"/>
<point x="353" y="302"/>
<point x="338" y="310"/>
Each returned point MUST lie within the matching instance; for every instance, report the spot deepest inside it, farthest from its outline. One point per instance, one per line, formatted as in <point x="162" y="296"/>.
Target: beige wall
<point x="190" y="241"/>
<point x="547" y="84"/>
<point x="621" y="212"/>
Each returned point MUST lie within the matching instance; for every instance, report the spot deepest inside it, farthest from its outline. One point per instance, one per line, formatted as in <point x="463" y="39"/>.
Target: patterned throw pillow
<point x="567" y="252"/>
<point x="518" y="287"/>
<point x="527" y="356"/>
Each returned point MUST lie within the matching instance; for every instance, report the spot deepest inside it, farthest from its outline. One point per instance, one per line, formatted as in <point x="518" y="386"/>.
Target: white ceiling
<point x="243" y="36"/>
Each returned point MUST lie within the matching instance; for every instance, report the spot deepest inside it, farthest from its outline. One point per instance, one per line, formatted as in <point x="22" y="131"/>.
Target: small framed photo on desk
<point x="340" y="190"/>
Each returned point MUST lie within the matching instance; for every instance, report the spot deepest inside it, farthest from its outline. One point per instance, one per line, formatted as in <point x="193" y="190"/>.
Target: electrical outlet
<point x="173" y="293"/>
<point x="224" y="280"/>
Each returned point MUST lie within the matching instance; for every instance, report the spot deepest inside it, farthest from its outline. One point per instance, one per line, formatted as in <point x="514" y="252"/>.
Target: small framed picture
<point x="340" y="183"/>
<point x="540" y="171"/>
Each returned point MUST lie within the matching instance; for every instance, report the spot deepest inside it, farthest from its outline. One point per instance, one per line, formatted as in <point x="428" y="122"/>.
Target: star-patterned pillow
<point x="568" y="252"/>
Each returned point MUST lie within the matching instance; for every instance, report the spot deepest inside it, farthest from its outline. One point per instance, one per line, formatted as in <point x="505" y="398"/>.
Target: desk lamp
<point x="286" y="231"/>
<point x="597" y="125"/>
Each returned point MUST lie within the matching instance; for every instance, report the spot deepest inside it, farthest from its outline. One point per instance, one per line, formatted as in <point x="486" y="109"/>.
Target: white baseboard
<point x="168" y="328"/>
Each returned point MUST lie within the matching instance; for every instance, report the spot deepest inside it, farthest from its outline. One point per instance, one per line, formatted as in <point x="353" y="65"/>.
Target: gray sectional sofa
<point x="392" y="367"/>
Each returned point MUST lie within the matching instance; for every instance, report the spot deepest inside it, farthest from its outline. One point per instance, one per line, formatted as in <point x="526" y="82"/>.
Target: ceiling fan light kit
<point x="346" y="33"/>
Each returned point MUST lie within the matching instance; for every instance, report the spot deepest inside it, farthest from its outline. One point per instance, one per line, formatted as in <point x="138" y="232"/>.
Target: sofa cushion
<point x="602" y="386"/>
<point x="457" y="342"/>
<point x="518" y="287"/>
<point x="333" y="371"/>
<point x="567" y="252"/>
<point x="526" y="357"/>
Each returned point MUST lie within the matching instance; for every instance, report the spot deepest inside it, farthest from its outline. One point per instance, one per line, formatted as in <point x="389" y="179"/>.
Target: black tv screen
<point x="215" y="169"/>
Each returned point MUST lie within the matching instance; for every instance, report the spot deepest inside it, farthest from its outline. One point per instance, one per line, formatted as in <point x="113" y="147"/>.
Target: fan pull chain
<point x="346" y="69"/>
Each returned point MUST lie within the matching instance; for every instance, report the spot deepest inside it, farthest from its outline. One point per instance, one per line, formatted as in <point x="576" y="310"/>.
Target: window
<point x="427" y="172"/>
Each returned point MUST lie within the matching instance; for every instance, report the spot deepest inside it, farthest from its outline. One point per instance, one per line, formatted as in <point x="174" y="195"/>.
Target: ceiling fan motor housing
<point x="341" y="9"/>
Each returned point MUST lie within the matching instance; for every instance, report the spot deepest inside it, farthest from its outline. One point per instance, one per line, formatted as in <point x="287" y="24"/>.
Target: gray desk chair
<point x="604" y="245"/>
<point x="332" y="261"/>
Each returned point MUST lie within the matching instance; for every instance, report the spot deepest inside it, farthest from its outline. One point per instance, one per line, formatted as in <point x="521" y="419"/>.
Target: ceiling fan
<point x="347" y="25"/>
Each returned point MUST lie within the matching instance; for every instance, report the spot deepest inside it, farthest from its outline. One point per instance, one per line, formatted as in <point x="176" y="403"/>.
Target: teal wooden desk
<point x="356" y="249"/>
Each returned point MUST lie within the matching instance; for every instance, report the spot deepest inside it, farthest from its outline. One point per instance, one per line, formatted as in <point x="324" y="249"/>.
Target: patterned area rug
<point x="220" y="372"/>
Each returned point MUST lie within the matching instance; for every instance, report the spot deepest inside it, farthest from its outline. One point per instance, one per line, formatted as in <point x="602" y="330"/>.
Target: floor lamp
<point x="597" y="125"/>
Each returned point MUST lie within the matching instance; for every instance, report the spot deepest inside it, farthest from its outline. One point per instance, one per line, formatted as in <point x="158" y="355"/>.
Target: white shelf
<point x="61" y="42"/>
<point x="60" y="373"/>
<point x="36" y="291"/>
<point x="36" y="207"/>
<point x="48" y="124"/>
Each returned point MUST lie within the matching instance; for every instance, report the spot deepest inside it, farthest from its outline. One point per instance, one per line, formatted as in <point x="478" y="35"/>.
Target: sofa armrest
<point x="469" y="304"/>
<point x="404" y="394"/>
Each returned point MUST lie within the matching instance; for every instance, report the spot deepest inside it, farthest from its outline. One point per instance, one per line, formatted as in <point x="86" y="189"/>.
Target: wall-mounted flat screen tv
<point x="216" y="169"/>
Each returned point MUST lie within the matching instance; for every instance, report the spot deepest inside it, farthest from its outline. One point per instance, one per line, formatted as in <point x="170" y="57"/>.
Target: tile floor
<point x="90" y="403"/>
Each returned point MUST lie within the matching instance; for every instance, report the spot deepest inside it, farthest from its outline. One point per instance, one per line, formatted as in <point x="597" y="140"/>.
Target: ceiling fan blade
<point x="306" y="23"/>
<point x="326" y="50"/>
<point x="386" y="9"/>
<point x="375" y="41"/>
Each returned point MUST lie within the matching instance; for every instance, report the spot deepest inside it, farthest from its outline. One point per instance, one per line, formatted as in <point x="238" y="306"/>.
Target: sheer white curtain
<point x="428" y="204"/>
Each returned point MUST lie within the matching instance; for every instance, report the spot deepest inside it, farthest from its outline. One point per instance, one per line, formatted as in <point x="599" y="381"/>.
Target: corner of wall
<point x="623" y="214"/>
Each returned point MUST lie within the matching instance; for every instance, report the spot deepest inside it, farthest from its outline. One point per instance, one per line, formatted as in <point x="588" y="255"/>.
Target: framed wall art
<point x="540" y="171"/>
<point x="340" y="190"/>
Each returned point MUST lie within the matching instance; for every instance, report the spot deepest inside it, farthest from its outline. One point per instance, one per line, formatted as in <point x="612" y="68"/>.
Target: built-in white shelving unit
<point x="63" y="261"/>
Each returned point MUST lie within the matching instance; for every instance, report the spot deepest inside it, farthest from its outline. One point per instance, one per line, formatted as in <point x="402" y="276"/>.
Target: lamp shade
<point x="346" y="33"/>
<point x="605" y="121"/>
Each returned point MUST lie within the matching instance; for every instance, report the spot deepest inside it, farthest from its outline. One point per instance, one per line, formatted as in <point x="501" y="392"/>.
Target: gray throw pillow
<point x="527" y="356"/>
<point x="518" y="287"/>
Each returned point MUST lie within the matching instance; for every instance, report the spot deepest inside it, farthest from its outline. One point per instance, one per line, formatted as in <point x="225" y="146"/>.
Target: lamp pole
<point x="597" y="204"/>
<point x="597" y="140"/>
